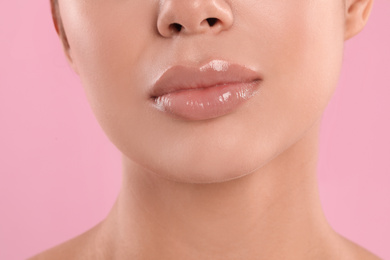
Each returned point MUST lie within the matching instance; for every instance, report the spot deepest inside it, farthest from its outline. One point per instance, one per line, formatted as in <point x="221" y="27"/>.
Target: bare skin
<point x="270" y="214"/>
<point x="254" y="196"/>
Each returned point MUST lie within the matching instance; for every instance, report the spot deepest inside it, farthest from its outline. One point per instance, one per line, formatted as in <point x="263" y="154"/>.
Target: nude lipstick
<point x="199" y="93"/>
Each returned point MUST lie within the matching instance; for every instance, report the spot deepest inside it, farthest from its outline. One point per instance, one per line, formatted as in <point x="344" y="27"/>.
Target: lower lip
<point x="206" y="103"/>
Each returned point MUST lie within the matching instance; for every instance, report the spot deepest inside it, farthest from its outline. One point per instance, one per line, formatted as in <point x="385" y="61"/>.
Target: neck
<point x="272" y="213"/>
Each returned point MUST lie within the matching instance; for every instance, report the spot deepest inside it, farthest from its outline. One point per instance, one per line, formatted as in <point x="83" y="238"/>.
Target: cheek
<point x="107" y="40"/>
<point x="304" y="59"/>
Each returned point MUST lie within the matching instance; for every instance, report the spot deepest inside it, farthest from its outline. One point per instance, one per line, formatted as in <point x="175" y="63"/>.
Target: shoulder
<point x="84" y="246"/>
<point x="72" y="249"/>
<point x="355" y="251"/>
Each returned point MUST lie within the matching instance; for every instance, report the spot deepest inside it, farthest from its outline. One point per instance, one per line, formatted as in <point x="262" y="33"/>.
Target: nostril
<point x="176" y="27"/>
<point x="212" y="21"/>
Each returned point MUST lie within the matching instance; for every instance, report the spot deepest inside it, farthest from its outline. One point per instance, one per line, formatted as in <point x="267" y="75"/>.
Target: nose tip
<point x="193" y="17"/>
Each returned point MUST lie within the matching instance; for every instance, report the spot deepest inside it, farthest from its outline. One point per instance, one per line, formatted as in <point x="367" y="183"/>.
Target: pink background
<point x="59" y="174"/>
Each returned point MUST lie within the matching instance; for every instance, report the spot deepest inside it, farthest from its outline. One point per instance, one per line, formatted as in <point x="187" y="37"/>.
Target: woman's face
<point x="121" y="48"/>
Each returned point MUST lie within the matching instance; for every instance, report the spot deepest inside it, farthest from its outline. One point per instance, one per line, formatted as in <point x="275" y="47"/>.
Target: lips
<point x="199" y="93"/>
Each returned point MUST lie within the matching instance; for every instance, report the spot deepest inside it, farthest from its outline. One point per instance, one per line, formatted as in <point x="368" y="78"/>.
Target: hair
<point x="55" y="12"/>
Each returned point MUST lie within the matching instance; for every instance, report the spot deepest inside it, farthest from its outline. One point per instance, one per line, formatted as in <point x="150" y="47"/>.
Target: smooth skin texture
<point x="241" y="186"/>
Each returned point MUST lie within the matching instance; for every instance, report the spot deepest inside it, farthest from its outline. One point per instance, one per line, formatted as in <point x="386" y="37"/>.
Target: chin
<point x="211" y="170"/>
<point x="195" y="176"/>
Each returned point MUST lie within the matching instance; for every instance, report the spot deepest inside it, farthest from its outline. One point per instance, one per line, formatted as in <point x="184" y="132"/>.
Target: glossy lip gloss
<point x="206" y="92"/>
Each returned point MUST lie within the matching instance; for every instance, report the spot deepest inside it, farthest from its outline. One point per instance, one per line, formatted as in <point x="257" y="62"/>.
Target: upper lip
<point x="213" y="73"/>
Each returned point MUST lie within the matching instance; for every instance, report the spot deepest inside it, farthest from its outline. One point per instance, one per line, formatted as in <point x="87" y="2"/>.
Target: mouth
<point x="199" y="93"/>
